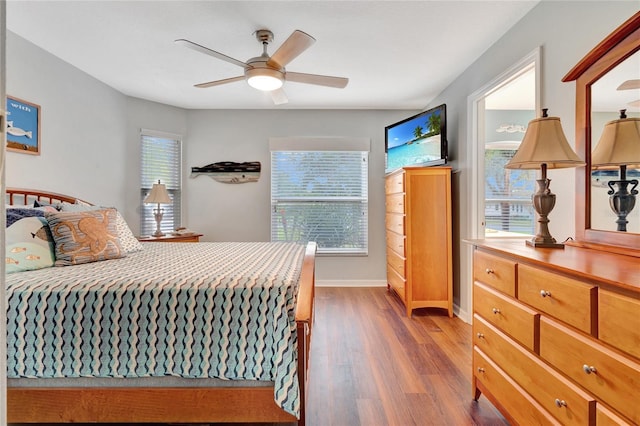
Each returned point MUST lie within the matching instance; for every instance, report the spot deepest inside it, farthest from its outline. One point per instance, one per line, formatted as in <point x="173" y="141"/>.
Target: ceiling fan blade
<point x="279" y="97"/>
<point x="630" y="84"/>
<point x="635" y="103"/>
<point x="207" y="51"/>
<point x="297" y="43"/>
<point x="219" y="82"/>
<point x="320" y="80"/>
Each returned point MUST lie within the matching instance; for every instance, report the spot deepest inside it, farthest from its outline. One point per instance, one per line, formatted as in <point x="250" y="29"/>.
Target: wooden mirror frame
<point x="614" y="49"/>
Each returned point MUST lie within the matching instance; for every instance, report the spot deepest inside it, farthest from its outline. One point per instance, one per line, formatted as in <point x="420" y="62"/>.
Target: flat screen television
<point x="420" y="140"/>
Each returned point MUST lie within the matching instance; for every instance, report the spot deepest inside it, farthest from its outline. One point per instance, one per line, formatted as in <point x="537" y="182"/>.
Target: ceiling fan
<point x="267" y="73"/>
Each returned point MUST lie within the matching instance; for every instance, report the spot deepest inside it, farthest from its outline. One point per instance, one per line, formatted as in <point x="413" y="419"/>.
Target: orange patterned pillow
<point x="83" y="237"/>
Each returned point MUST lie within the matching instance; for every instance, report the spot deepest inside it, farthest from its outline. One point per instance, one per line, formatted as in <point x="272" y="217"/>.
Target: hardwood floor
<point x="371" y="365"/>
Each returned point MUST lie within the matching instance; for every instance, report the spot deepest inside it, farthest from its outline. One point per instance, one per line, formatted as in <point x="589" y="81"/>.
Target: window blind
<point x="321" y="196"/>
<point x="160" y="159"/>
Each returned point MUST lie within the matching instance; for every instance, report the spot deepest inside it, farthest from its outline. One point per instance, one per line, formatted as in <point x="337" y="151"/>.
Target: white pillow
<point x="128" y="241"/>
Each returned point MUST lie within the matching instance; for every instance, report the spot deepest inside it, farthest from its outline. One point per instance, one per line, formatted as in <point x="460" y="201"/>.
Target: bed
<point x="213" y="357"/>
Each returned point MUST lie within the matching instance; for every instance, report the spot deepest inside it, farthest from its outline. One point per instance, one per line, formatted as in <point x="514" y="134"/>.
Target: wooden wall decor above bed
<point x="236" y="404"/>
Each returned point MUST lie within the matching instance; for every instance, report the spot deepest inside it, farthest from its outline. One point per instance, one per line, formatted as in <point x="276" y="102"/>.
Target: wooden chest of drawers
<point x="558" y="332"/>
<point x="418" y="230"/>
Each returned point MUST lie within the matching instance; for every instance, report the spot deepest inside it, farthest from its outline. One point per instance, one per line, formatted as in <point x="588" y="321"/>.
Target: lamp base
<point x="622" y="200"/>
<point x="158" y="216"/>
<point x="543" y="202"/>
<point x="543" y="244"/>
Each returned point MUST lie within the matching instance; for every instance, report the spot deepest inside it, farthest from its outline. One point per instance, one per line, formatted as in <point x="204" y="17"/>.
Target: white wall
<point x="3" y="295"/>
<point x="90" y="136"/>
<point x="143" y="114"/>
<point x="90" y="149"/>
<point x="567" y="31"/>
<point x="83" y="128"/>
<point x="241" y="212"/>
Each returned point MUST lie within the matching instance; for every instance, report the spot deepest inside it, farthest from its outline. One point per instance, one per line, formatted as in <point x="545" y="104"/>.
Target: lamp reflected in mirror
<point x="619" y="147"/>
<point x="544" y="146"/>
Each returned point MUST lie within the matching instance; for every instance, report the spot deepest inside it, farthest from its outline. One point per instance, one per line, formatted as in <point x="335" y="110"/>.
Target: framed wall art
<point x="23" y="126"/>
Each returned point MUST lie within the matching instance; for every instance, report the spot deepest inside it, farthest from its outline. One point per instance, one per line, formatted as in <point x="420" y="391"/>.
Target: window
<point x="501" y="205"/>
<point x="508" y="209"/>
<point x="160" y="159"/>
<point x="319" y="192"/>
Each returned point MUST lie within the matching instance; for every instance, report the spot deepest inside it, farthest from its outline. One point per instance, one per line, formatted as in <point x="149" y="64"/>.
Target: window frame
<point x="172" y="179"/>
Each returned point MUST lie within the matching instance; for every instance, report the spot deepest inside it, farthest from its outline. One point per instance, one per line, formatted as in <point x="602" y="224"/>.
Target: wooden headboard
<point x="28" y="196"/>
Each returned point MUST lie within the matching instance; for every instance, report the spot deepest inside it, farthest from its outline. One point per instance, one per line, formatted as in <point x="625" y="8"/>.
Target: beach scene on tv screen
<point x="414" y="142"/>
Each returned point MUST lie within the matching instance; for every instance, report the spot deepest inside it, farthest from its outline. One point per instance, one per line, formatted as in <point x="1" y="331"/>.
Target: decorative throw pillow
<point x="128" y="241"/>
<point x="47" y="206"/>
<point x="28" y="242"/>
<point x="83" y="237"/>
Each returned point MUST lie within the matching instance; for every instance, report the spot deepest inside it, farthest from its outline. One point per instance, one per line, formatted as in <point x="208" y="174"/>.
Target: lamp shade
<point x="158" y="194"/>
<point x="619" y="145"/>
<point x="544" y="143"/>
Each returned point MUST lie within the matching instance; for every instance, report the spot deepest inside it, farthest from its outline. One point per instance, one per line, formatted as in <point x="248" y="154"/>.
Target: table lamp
<point x="158" y="195"/>
<point x="619" y="146"/>
<point x="544" y="146"/>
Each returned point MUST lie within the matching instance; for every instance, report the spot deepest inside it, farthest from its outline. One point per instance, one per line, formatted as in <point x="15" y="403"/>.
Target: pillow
<point x="128" y="241"/>
<point x="28" y="242"/>
<point x="47" y="206"/>
<point x="83" y="237"/>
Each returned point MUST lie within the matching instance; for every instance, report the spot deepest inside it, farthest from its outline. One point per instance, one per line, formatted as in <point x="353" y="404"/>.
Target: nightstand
<point x="183" y="238"/>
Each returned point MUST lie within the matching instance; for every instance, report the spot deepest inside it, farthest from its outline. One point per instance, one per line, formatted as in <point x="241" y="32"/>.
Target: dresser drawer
<point x="396" y="261"/>
<point x="566" y="299"/>
<point x="562" y="399"/>
<point x="509" y="315"/>
<point x="395" y="203"/>
<point x="606" y="417"/>
<point x="494" y="271"/>
<point x="396" y="281"/>
<point x="619" y="322"/>
<point x="394" y="183"/>
<point x="615" y="379"/>
<point x="520" y="405"/>
<point x="395" y="242"/>
<point x="395" y="222"/>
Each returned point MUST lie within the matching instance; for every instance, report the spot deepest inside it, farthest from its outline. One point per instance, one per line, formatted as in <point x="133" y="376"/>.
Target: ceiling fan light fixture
<point x="264" y="79"/>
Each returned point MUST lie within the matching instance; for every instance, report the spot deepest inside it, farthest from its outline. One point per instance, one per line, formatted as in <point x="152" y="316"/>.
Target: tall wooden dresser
<point x="418" y="229"/>
<point x="556" y="333"/>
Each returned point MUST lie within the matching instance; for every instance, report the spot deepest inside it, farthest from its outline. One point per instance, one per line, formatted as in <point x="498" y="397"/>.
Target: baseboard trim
<point x="351" y="283"/>
<point x="463" y="314"/>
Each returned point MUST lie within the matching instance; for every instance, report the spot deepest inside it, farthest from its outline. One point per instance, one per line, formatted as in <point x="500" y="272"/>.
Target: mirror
<point x="618" y="89"/>
<point x="595" y="75"/>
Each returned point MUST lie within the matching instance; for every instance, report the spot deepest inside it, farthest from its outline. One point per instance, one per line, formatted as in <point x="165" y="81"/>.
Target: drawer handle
<point x="496" y="311"/>
<point x="589" y="369"/>
<point x="560" y="403"/>
<point x="480" y="370"/>
<point x="545" y="293"/>
<point x="480" y="336"/>
<point x="489" y="271"/>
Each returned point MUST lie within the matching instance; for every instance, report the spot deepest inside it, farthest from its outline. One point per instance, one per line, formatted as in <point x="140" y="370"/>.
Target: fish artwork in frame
<point x="23" y="126"/>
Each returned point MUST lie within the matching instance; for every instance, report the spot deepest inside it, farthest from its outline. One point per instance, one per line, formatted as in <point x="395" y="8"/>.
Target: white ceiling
<point x="397" y="54"/>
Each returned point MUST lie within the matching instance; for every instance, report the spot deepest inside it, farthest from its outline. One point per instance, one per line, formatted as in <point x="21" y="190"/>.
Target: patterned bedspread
<point x="221" y="310"/>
